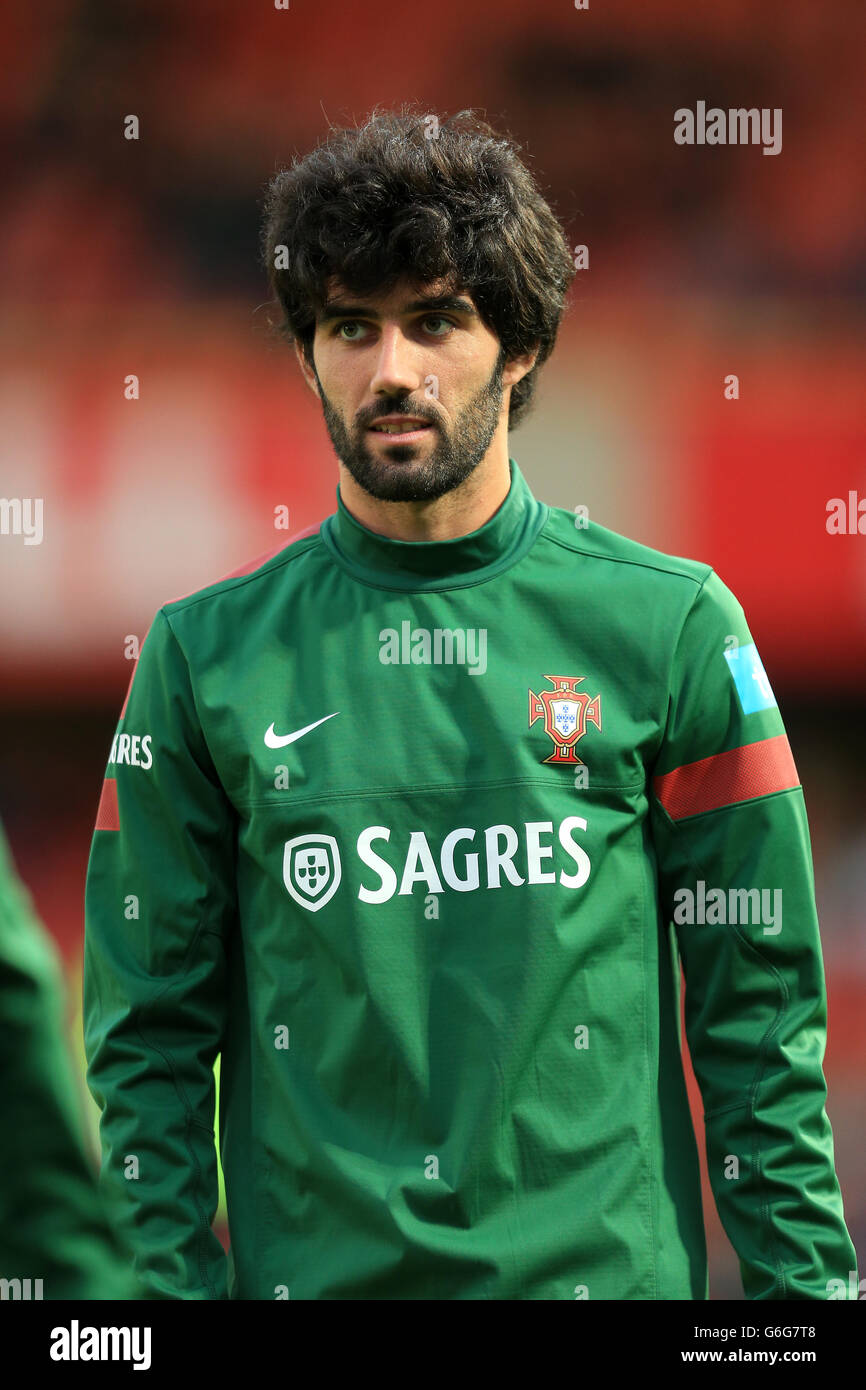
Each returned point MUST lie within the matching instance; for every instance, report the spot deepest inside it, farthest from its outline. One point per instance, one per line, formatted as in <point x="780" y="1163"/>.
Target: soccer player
<point x="412" y="822"/>
<point x="56" y="1238"/>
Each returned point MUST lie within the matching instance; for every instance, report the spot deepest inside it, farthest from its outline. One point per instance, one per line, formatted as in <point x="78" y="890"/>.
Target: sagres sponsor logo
<point x="566" y="711"/>
<point x="311" y="869"/>
<point x="132" y="749"/>
<point x="77" y="1343"/>
<point x="465" y="861"/>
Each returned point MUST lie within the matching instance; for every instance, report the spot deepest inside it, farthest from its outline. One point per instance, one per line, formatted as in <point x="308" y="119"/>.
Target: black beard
<point x="449" y="462"/>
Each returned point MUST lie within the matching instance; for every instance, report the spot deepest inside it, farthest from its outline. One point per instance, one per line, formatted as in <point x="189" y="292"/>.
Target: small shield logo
<point x="311" y="869"/>
<point x="564" y="716"/>
<point x="566" y="711"/>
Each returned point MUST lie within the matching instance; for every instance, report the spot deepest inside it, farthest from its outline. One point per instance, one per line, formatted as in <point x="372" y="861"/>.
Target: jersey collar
<point x="423" y="565"/>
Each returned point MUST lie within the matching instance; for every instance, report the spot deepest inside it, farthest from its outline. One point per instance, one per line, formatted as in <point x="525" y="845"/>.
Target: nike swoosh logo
<point x="280" y="740"/>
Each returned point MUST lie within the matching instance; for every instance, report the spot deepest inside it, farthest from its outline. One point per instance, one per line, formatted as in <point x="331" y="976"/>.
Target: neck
<point x="470" y="558"/>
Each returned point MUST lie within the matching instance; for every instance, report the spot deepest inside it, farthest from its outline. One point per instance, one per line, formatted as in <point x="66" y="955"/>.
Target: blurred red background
<point x="141" y="257"/>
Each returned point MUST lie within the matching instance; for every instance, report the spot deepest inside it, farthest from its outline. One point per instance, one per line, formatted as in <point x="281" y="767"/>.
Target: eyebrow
<point x="337" y="310"/>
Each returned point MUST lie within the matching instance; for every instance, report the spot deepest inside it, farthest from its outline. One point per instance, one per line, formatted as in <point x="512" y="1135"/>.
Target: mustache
<point x="401" y="408"/>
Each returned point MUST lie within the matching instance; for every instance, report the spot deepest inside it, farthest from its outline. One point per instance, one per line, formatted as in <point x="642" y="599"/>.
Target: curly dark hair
<point x="414" y="196"/>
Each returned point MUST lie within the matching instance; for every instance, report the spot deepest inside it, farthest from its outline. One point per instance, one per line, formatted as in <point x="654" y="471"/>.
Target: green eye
<point x="348" y="337"/>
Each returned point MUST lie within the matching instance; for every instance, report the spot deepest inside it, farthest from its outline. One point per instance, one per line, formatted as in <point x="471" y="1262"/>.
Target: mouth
<point x="406" y="431"/>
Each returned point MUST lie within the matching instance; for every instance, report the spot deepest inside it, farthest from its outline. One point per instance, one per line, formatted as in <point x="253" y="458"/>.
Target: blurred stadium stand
<point x="140" y="257"/>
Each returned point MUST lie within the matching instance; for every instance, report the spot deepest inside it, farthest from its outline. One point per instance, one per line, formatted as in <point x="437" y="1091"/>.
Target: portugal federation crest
<point x="566" y="711"/>
<point x="311" y="869"/>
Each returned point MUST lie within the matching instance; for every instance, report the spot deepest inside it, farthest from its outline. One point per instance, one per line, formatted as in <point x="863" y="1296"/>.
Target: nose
<point x="396" y="371"/>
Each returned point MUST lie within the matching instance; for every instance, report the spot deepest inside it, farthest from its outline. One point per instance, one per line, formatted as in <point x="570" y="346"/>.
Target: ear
<point x="518" y="367"/>
<point x="309" y="374"/>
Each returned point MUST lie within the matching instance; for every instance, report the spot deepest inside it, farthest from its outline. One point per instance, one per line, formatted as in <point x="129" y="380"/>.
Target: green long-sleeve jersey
<point x="414" y="836"/>
<point x="56" y="1237"/>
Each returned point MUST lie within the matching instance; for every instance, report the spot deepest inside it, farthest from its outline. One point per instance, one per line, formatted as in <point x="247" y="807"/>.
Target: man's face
<point x="428" y="356"/>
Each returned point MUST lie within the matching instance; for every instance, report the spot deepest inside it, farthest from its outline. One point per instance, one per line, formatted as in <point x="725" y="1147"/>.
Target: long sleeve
<point x="735" y="877"/>
<point x="160" y="904"/>
<point x="54" y="1228"/>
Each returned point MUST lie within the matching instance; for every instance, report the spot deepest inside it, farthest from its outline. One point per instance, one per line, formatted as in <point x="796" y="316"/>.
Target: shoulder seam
<point x="220" y="586"/>
<point x="623" y="560"/>
<point x="675" y="647"/>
